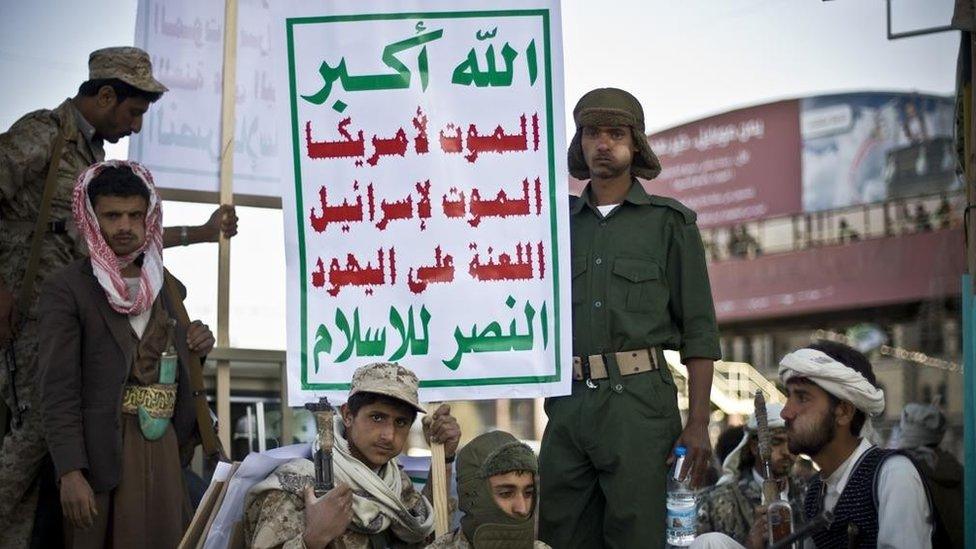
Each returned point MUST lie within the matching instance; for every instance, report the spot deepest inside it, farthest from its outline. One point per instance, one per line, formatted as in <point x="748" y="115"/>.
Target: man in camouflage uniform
<point x="640" y="286"/>
<point x="729" y="507"/>
<point x="496" y="492"/>
<point x="108" y="107"/>
<point x="374" y="503"/>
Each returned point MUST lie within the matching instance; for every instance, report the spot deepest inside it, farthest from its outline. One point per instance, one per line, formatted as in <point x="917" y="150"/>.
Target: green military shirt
<point x="639" y="278"/>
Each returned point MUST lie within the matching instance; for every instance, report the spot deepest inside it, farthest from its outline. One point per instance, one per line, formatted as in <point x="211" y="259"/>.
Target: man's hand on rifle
<point x="760" y="525"/>
<point x="443" y="428"/>
<point x="8" y="315"/>
<point x="77" y="499"/>
<point x="326" y="518"/>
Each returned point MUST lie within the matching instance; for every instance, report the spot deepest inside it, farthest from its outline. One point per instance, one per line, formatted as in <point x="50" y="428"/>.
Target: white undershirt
<point x="903" y="509"/>
<point x="141" y="320"/>
<point x="605" y="210"/>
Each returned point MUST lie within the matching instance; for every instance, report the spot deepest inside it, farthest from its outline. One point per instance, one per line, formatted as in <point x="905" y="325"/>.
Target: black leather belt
<point x="54" y="226"/>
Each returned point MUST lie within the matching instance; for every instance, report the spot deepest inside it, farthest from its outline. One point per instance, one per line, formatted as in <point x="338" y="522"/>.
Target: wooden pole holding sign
<point x="228" y="98"/>
<point x="438" y="480"/>
<point x="439" y="488"/>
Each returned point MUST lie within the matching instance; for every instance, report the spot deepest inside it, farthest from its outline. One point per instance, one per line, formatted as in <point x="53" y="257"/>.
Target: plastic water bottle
<point x="682" y="506"/>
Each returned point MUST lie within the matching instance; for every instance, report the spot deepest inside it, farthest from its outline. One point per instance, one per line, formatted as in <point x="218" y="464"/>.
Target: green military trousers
<point x="602" y="465"/>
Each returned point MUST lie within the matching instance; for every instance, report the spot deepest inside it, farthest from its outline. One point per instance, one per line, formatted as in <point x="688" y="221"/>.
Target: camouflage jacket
<point x="25" y="154"/>
<point x="274" y="511"/>
<point x="457" y="540"/>
<point x="729" y="508"/>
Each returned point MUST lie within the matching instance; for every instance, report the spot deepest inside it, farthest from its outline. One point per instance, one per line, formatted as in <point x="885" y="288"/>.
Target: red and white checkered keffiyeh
<point x="107" y="266"/>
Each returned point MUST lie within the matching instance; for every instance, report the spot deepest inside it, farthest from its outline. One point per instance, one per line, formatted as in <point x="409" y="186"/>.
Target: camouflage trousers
<point x="23" y="447"/>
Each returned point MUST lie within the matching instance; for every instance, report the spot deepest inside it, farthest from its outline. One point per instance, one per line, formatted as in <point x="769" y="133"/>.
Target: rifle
<point x="778" y="512"/>
<point x="324" y="441"/>
<point x="30" y="271"/>
<point x="823" y="520"/>
<point x="19" y="408"/>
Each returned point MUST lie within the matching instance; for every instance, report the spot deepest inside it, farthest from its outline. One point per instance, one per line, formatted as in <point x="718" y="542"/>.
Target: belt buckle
<point x="585" y="365"/>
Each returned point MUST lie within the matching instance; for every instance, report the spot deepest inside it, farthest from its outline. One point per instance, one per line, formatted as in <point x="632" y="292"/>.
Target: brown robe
<point x="89" y="354"/>
<point x="149" y="507"/>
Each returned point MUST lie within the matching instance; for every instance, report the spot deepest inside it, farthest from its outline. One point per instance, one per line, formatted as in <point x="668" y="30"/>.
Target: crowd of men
<point x="101" y="378"/>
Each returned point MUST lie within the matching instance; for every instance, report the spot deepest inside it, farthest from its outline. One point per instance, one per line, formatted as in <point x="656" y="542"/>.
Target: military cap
<point x="612" y="107"/>
<point x="130" y="65"/>
<point x="389" y="379"/>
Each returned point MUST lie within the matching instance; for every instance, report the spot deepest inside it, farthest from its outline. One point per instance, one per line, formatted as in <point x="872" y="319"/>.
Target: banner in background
<point x="427" y="221"/>
<point x="733" y="167"/>
<point x="817" y="153"/>
<point x="180" y="137"/>
<point x="860" y="148"/>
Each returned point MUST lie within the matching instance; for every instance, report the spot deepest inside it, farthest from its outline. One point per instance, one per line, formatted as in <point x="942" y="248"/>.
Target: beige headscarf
<point x="376" y="503"/>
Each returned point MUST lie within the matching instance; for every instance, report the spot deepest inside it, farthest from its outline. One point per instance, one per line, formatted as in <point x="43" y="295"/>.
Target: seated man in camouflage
<point x="496" y="492"/>
<point x="729" y="506"/>
<point x="374" y="504"/>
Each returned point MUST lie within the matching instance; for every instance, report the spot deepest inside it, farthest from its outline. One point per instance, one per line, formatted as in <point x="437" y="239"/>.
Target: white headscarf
<point x="730" y="467"/>
<point x="837" y="379"/>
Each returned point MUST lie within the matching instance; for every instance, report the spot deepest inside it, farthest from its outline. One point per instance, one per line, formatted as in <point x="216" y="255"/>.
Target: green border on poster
<point x="550" y="139"/>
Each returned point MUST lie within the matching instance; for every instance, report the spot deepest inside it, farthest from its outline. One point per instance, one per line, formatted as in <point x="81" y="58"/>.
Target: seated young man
<point x="374" y="504"/>
<point x="496" y="492"/>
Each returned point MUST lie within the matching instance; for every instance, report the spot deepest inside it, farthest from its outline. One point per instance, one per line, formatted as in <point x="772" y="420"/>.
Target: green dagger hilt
<point x="152" y="427"/>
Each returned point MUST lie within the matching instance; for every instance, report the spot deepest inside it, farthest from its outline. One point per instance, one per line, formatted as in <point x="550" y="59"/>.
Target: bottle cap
<point x="680" y="451"/>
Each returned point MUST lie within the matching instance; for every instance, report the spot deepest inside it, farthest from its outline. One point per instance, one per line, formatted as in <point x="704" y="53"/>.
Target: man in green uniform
<point x="108" y="106"/>
<point x="639" y="286"/>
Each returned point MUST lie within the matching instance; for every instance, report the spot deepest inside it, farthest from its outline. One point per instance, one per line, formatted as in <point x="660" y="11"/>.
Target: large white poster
<point x="426" y="207"/>
<point x="180" y="138"/>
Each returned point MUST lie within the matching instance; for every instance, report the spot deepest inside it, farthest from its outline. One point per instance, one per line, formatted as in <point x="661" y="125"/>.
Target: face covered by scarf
<point x="106" y="265"/>
<point x="484" y="523"/>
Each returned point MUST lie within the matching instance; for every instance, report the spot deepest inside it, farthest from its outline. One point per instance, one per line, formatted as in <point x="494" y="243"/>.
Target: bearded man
<point x="878" y="497"/>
